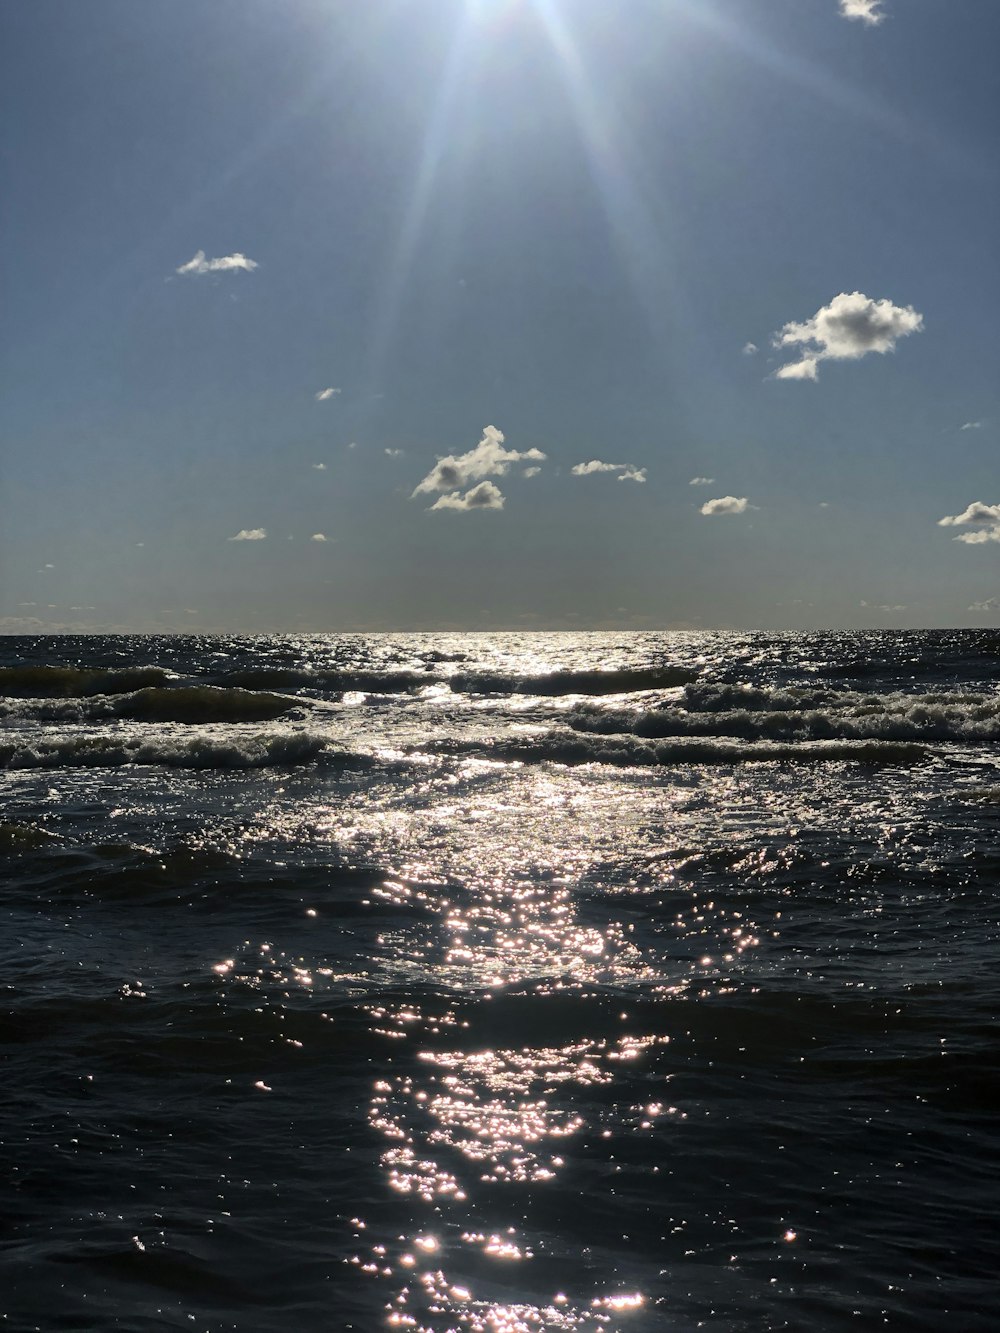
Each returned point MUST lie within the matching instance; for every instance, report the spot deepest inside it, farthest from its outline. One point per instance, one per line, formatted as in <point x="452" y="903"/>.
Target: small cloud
<point x="702" y="481"/>
<point x="749" y="349"/>
<point x="977" y="512"/>
<point x="990" y="605"/>
<point x="317" y="537"/>
<point x="489" y="458"/>
<point x="627" y="470"/>
<point x="824" y="504"/>
<point x="319" y="467"/>
<point x="225" y="264"/>
<point x="867" y="11"/>
<point x="972" y="425"/>
<point x="249" y="535"/>
<point x="353" y="444"/>
<point x="726" y="504"/>
<point x="140" y="543"/>
<point x="483" y="496"/>
<point x="850" y="327"/>
<point x="531" y="472"/>
<point x="324" y="394"/>
<point x="394" y="453"/>
<point x="49" y="566"/>
<point x="980" y="537"/>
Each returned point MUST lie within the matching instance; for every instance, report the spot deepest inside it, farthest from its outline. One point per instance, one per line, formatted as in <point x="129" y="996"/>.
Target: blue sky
<point x="499" y="229"/>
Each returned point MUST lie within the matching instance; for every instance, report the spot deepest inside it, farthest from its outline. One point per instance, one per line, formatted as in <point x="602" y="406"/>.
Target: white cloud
<point x="991" y="604"/>
<point x="628" y="471"/>
<point x="531" y="472"/>
<point x="324" y="394"/>
<point x="249" y="535"/>
<point x="225" y="264"/>
<point x="850" y="327"/>
<point x="868" y="11"/>
<point x="394" y="453"/>
<point x="726" y="504"/>
<point x="702" y="481"/>
<point x="319" y="467"/>
<point x="749" y="349"/>
<point x="806" y="369"/>
<point x="977" y="512"/>
<point x="353" y="444"/>
<point x="978" y="538"/>
<point x="483" y="496"/>
<point x="595" y="465"/>
<point x="317" y="537"/>
<point x="489" y="458"/>
<point x="972" y="425"/>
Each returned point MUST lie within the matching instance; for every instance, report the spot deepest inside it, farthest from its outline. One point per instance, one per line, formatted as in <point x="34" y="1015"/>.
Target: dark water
<point x="500" y="983"/>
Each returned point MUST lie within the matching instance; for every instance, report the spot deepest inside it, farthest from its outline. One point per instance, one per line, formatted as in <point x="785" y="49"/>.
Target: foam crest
<point x="76" y="682"/>
<point x="200" y="751"/>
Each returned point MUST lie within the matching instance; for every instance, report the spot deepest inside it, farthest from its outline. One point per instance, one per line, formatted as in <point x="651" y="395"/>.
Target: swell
<point x="184" y="703"/>
<point x="628" y="751"/>
<point x="76" y="682"/>
<point x="596" y="682"/>
<point x="804" y="715"/>
<point x="117" y="750"/>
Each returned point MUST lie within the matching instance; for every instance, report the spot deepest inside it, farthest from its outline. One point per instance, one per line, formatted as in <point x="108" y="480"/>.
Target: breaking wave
<point x="626" y="751"/>
<point x="83" y="751"/>
<point x="201" y="703"/>
<point x="802" y="715"/>
<point x="574" y="682"/>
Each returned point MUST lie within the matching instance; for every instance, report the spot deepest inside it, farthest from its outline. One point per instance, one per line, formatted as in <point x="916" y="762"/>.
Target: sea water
<point x="489" y="983"/>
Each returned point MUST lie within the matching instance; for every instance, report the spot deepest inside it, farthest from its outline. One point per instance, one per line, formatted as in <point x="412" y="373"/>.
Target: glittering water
<point x="500" y="983"/>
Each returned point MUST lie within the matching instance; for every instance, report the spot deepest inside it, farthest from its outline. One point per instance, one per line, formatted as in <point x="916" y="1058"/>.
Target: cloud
<point x="991" y="604"/>
<point x="531" y="472"/>
<point x="726" y="504"/>
<point x="972" y="425"/>
<point x="483" y="496"/>
<point x="702" y="481"/>
<point x="977" y="512"/>
<point x="978" y="538"/>
<point x="249" y="535"/>
<point x="319" y="467"/>
<point x="749" y="349"/>
<point x="226" y="264"/>
<point x="324" y="394"/>
<point x="394" y="453"/>
<point x="627" y="470"/>
<point x="455" y="472"/>
<point x="850" y="327"/>
<point x="317" y="537"/>
<point x="868" y="11"/>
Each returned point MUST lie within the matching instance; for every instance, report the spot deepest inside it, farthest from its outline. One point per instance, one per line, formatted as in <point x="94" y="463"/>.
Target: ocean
<point x="493" y="983"/>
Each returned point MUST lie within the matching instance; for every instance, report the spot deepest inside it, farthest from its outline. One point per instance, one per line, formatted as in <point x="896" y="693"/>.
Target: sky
<point x="326" y="316"/>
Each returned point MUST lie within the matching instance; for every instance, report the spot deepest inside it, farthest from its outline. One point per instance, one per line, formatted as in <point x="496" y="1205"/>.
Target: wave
<point x="626" y="751"/>
<point x="77" y="682"/>
<point x="624" y="681"/>
<point x="115" y="751"/>
<point x="802" y="715"/>
<point x="367" y="682"/>
<point x="201" y="703"/>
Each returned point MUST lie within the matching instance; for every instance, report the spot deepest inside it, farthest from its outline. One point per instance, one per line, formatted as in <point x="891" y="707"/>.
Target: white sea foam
<point x="173" y="750"/>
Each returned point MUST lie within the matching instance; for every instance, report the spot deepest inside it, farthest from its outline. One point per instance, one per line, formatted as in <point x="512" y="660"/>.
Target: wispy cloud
<point x="394" y="453"/>
<point x="702" y="481"/>
<point x="455" y="472"/>
<point x="990" y="604"/>
<point x="627" y="471"/>
<point x="850" y="327"/>
<point x="972" y="425"/>
<point x="483" y="496"/>
<point x="726" y="504"/>
<point x="749" y="349"/>
<point x="319" y="467"/>
<point x="531" y="471"/>
<point x="867" y="11"/>
<point x="224" y="264"/>
<point x="317" y="537"/>
<point x="983" y="517"/>
<point x="249" y="535"/>
<point x="324" y="394"/>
